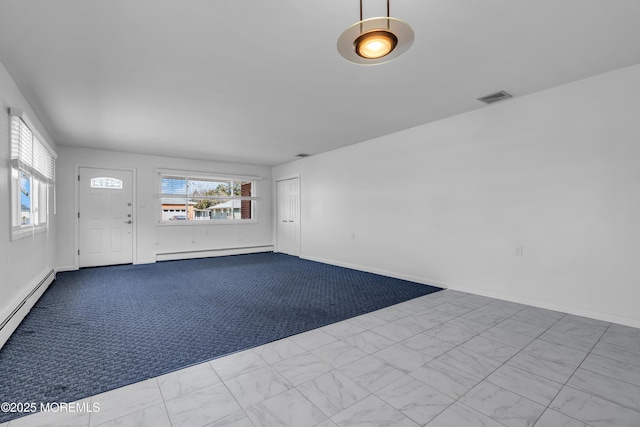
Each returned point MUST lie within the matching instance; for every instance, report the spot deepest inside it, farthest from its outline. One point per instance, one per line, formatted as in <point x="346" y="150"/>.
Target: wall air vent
<point x="495" y="97"/>
<point x="302" y="155"/>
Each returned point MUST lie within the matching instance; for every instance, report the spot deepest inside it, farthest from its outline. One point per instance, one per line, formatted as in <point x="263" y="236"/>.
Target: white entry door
<point x="105" y="217"/>
<point x="288" y="234"/>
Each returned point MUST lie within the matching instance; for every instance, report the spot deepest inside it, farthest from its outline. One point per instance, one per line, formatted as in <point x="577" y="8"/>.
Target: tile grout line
<point x="503" y="364"/>
<point x="594" y="395"/>
<point x="569" y="379"/>
<point x="370" y="393"/>
<point x="164" y="401"/>
<point x="456" y="346"/>
<point x="234" y="398"/>
<point x="457" y="400"/>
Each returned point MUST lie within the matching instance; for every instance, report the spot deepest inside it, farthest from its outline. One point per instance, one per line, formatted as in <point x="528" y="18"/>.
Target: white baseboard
<point x="393" y="274"/>
<point x="169" y="256"/>
<point x="12" y="316"/>
<point x="65" y="268"/>
<point x="606" y="317"/>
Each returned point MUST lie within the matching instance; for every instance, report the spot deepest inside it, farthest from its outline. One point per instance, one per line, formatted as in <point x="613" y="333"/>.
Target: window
<point x="207" y="199"/>
<point x="104" y="182"/>
<point x="32" y="176"/>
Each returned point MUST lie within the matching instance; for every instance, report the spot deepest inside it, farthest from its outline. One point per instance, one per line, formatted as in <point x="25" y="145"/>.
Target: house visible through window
<point x="32" y="176"/>
<point x="190" y="198"/>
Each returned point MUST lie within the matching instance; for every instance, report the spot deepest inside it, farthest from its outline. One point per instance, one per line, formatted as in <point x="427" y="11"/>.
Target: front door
<point x="105" y="217"/>
<point x="288" y="228"/>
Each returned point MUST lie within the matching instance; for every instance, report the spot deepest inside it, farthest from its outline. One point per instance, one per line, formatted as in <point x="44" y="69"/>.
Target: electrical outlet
<point x="518" y="251"/>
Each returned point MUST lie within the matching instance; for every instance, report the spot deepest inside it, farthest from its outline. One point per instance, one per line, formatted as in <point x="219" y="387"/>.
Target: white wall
<point x="447" y="203"/>
<point x="24" y="263"/>
<point x="152" y="238"/>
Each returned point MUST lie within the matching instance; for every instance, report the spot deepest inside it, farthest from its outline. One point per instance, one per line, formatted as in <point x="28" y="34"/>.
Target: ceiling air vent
<point x="302" y="155"/>
<point x="495" y="97"/>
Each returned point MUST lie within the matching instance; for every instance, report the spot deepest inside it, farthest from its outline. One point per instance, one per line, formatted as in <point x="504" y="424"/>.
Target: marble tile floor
<point x="446" y="359"/>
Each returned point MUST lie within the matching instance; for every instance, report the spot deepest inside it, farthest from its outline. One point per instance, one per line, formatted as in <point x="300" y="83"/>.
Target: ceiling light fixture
<point x="375" y="40"/>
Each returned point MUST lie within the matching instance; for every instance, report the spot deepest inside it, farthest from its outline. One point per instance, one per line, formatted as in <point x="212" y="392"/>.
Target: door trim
<point x="134" y="196"/>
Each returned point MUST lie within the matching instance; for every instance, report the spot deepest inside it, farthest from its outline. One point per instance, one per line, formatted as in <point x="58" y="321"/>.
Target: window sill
<point x="18" y="233"/>
<point x="183" y="223"/>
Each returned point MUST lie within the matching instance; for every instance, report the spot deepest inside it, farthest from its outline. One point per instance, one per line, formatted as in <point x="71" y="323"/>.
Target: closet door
<point x="288" y="216"/>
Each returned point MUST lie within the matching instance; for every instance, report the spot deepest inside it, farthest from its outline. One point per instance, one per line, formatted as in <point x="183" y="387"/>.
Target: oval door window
<point x="106" y="183"/>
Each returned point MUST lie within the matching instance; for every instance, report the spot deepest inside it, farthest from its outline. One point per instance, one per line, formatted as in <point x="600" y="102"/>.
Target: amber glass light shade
<point x="375" y="44"/>
<point x="375" y="40"/>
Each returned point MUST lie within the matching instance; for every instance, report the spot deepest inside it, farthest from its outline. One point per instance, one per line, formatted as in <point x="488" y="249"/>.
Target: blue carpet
<point x="97" y="329"/>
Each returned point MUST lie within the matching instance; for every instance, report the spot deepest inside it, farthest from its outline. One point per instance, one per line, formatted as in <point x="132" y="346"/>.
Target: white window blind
<point x="29" y="154"/>
<point x="32" y="177"/>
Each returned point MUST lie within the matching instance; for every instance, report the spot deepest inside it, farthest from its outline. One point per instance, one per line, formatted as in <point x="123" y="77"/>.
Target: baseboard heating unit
<point x="207" y="253"/>
<point x="13" y="319"/>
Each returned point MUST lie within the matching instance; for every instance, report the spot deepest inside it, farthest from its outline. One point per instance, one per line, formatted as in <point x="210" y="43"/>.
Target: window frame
<point x="38" y="166"/>
<point x="203" y="176"/>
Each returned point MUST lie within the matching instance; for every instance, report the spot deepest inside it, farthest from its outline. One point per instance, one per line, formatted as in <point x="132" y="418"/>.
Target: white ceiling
<point x="261" y="81"/>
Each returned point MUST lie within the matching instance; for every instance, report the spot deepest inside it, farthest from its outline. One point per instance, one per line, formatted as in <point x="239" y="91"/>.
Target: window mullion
<point x="207" y="197"/>
<point x="186" y="199"/>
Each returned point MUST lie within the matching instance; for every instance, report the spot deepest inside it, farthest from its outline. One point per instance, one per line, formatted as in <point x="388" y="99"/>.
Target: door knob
<point x="128" y="222"/>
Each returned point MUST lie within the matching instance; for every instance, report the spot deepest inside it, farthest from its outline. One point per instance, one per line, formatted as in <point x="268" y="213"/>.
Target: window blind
<point x="28" y="152"/>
